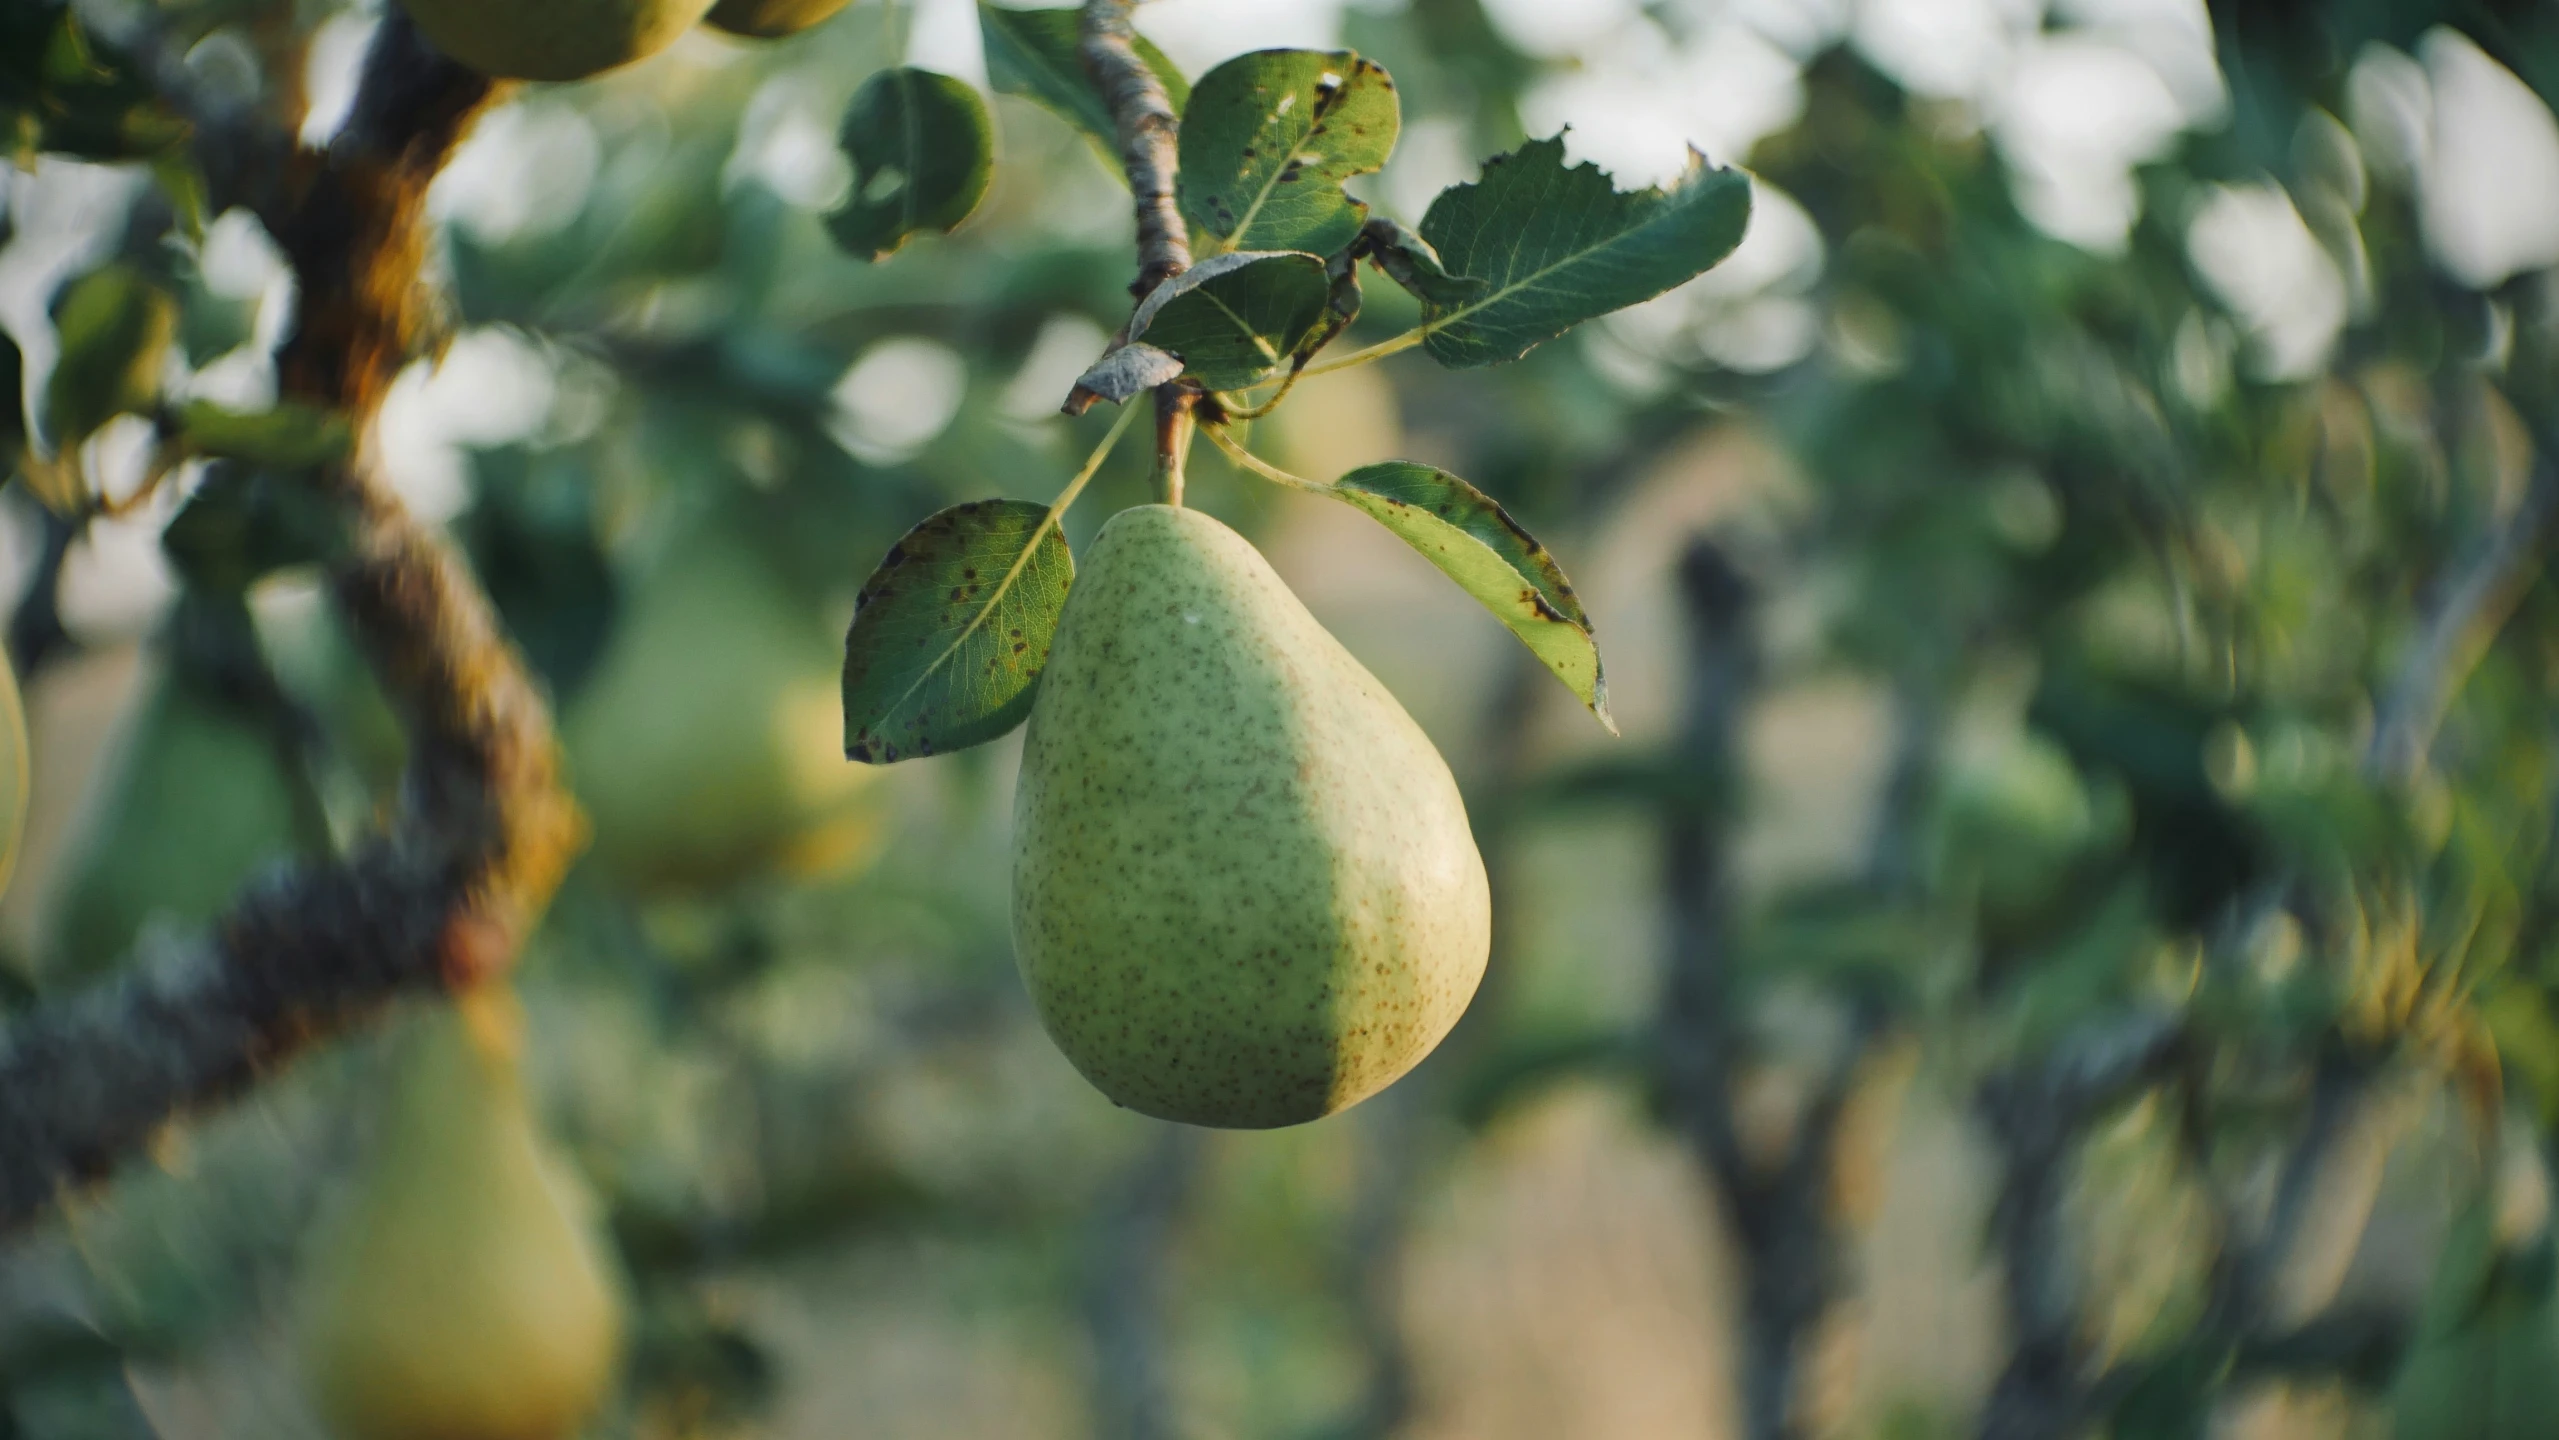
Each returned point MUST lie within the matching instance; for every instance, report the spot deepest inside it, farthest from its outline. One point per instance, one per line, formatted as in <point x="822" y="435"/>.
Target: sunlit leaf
<point x="951" y="631"/>
<point x="115" y="325"/>
<point x="922" y="151"/>
<point x="1468" y="535"/>
<point x="1237" y="318"/>
<point x="1032" y="53"/>
<point x="1555" y="245"/>
<point x="1267" y="141"/>
<point x="288" y="437"/>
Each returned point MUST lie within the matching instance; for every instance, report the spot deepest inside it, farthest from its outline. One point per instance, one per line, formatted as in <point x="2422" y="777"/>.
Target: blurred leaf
<point x="291" y="436"/>
<point x="243" y="524"/>
<point x="1267" y="141"/>
<point x="1476" y="543"/>
<point x="2174" y="1396"/>
<point x="115" y="325"/>
<point x="951" y="631"/>
<point x="922" y="151"/>
<point x="13" y="404"/>
<point x="1032" y="53"/>
<point x="533" y="543"/>
<point x="1555" y="246"/>
<point x="1518" y="1072"/>
<point x="1237" y="318"/>
<point x="62" y="92"/>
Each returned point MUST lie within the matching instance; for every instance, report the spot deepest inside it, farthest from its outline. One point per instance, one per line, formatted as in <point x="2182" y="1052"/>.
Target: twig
<point x="2458" y="626"/>
<point x="484" y="830"/>
<point x="1148" y="132"/>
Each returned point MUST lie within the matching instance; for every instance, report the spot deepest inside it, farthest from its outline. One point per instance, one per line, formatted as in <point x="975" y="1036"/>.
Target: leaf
<point x="1267" y="141"/>
<point x="289" y="437"/>
<point x="1476" y="543"/>
<point x="1236" y="318"/>
<point x="922" y="151"/>
<point x="1032" y="53"/>
<point x="13" y="405"/>
<point x="243" y="524"/>
<point x="1128" y="371"/>
<point x="951" y="631"/>
<point x="115" y="325"/>
<point x="1554" y="247"/>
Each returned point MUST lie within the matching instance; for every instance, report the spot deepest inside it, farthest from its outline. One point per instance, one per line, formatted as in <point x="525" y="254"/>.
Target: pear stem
<point x="1175" y="424"/>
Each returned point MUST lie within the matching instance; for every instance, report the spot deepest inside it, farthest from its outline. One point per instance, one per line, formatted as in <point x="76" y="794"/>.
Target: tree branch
<point x="1148" y="134"/>
<point x="484" y="829"/>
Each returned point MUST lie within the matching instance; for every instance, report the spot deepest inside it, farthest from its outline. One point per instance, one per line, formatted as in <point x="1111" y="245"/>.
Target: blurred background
<point x="2065" y="943"/>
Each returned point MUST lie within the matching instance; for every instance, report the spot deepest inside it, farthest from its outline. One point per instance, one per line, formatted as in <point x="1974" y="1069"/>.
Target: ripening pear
<point x="705" y="747"/>
<point x="456" y="1297"/>
<point x="15" y="773"/>
<point x="771" y="19"/>
<point x="552" y="39"/>
<point x="1244" y="891"/>
<point x="197" y="799"/>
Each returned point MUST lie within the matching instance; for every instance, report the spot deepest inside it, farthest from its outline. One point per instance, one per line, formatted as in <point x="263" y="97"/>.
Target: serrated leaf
<point x="1554" y="246"/>
<point x="951" y="631"/>
<point x="1475" y="542"/>
<point x="922" y="150"/>
<point x="289" y="437"/>
<point x="1267" y="141"/>
<point x="1235" y="319"/>
<point x="115" y="325"/>
<point x="1032" y="53"/>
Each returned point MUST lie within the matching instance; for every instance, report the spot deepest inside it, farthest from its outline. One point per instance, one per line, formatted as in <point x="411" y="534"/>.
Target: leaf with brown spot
<point x="922" y="677"/>
<point x="1267" y="140"/>
<point x="1475" y="542"/>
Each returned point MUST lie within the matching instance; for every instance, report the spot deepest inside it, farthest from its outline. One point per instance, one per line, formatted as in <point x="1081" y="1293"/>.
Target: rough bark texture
<point x="1149" y="134"/>
<point x="484" y="830"/>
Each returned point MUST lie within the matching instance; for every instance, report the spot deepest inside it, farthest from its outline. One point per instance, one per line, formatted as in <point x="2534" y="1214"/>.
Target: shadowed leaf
<point x="1237" y="318"/>
<point x="116" y="325"/>
<point x="1267" y="141"/>
<point x="1476" y="543"/>
<point x="1032" y="53"/>
<point x="922" y="151"/>
<point x="288" y="437"/>
<point x="1554" y="246"/>
<point x="951" y="630"/>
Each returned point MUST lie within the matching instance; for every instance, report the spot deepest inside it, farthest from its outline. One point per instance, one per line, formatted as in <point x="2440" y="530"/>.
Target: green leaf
<point x="63" y="92"/>
<point x="1555" y="246"/>
<point x="116" y="325"/>
<point x="1267" y="141"/>
<point x="951" y="631"/>
<point x="1235" y="319"/>
<point x="1032" y="53"/>
<point x="1472" y="539"/>
<point x="242" y="524"/>
<point x="922" y="151"/>
<point x="289" y="437"/>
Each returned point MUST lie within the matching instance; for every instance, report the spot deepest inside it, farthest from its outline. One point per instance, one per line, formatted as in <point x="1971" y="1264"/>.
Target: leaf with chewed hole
<point x="922" y="151"/>
<point x="1236" y="318"/>
<point x="1475" y="542"/>
<point x="1553" y="245"/>
<point x="1267" y="141"/>
<point x="951" y="631"/>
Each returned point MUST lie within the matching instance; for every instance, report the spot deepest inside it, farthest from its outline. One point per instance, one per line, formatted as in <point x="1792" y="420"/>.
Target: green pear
<point x="552" y="39"/>
<point x="1244" y="892"/>
<point x="708" y="745"/>
<point x="771" y="19"/>
<point x="196" y="801"/>
<point x="15" y="772"/>
<point x="456" y="1297"/>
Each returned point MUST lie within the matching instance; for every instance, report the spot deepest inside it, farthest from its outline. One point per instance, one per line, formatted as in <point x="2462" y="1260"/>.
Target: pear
<point x="552" y="39"/>
<point x="456" y="1298"/>
<point x="771" y="19"/>
<point x="196" y="801"/>
<point x="707" y="747"/>
<point x="1244" y="891"/>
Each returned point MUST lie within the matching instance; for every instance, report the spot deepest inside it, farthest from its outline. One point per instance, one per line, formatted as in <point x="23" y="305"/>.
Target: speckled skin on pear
<point x="1244" y="891"/>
